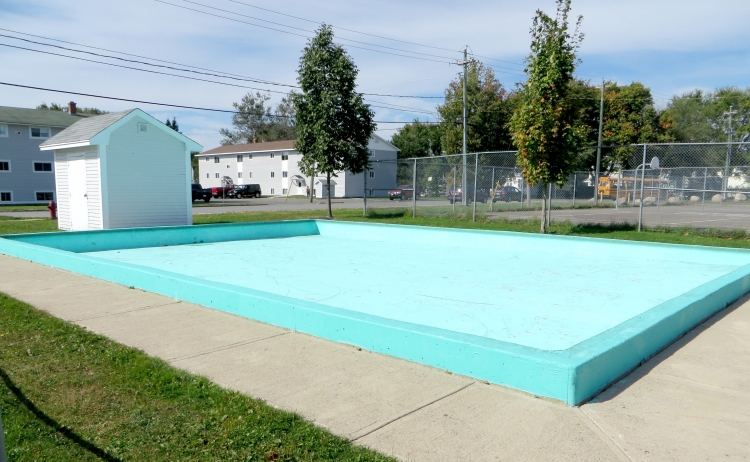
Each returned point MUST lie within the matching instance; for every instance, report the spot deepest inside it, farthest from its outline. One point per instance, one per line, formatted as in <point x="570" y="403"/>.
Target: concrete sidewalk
<point x="691" y="402"/>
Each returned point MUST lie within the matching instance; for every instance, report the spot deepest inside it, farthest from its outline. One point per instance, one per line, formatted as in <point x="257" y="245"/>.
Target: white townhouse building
<point x="274" y="166"/>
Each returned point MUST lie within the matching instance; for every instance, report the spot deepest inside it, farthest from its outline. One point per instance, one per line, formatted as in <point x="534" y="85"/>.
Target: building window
<point x="272" y="191"/>
<point x="39" y="132"/>
<point x="239" y="174"/>
<point x="239" y="158"/>
<point x="372" y="174"/>
<point x="271" y="155"/>
<point x="142" y="127"/>
<point x="3" y="130"/>
<point x="249" y="156"/>
<point x="283" y="191"/>
<point x="217" y="175"/>
<point x="207" y="159"/>
<point x="285" y="157"/>
<point x="4" y="166"/>
<point x="42" y="166"/>
<point x="284" y="174"/>
<point x="272" y="174"/>
<point x="45" y="196"/>
<point x="372" y="153"/>
<point x="216" y="160"/>
<point x="227" y="166"/>
<point x="249" y="174"/>
<point x="5" y="197"/>
<point x="208" y="176"/>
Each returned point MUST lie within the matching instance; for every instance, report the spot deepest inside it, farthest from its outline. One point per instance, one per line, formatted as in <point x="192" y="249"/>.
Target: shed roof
<point x="286" y="145"/>
<point x="38" y="117"/>
<point x="85" y="129"/>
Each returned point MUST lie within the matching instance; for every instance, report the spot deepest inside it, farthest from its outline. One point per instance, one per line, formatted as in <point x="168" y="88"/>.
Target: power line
<point x="226" y="75"/>
<point x="298" y="35"/>
<point x="179" y="106"/>
<point x="345" y="29"/>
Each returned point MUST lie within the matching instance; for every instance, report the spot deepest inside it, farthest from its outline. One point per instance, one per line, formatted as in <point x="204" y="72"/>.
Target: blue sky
<point x="671" y="46"/>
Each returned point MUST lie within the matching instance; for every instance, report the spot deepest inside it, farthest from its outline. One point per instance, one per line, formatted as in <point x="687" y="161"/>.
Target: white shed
<point x="122" y="170"/>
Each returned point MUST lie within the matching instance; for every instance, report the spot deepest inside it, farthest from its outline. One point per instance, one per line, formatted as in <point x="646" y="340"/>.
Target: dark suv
<point x="456" y="195"/>
<point x="245" y="190"/>
<point x="508" y="193"/>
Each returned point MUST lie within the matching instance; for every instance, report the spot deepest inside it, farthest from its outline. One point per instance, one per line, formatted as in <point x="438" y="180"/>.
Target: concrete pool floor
<point x="690" y="402"/>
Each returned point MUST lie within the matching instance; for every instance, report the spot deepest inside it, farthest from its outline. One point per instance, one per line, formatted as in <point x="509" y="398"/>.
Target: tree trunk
<point x="545" y="200"/>
<point x="328" y="185"/>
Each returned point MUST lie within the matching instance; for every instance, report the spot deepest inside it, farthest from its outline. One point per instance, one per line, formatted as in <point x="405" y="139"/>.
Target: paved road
<point x="727" y="216"/>
<point x="690" y="402"/>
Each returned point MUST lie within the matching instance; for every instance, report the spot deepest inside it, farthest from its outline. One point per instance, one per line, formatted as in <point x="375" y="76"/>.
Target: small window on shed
<point x="142" y="127"/>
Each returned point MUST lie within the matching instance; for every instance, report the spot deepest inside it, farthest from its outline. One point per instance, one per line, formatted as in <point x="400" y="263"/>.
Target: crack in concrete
<point x="128" y="311"/>
<point x="411" y="412"/>
<point x="226" y="347"/>
<point x="606" y="436"/>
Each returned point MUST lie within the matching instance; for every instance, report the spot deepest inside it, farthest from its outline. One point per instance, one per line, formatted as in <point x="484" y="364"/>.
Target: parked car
<point x="401" y="193"/>
<point x="456" y="195"/>
<point x="508" y="194"/>
<point x="199" y="192"/>
<point x="245" y="190"/>
<point x="221" y="191"/>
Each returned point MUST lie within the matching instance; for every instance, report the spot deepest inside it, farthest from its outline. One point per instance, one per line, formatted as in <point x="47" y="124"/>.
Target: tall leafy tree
<point x="80" y="110"/>
<point x="546" y="127"/>
<point x="333" y="123"/>
<point x="699" y="115"/>
<point x="487" y="112"/>
<point x="418" y="139"/>
<point x="257" y="122"/>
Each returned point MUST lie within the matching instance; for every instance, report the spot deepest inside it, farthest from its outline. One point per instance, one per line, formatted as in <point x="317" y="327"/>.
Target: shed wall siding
<point x="146" y="178"/>
<point x="63" y="192"/>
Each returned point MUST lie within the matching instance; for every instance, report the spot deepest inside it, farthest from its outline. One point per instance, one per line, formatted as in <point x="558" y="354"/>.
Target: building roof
<point x="286" y="145"/>
<point x="85" y="129"/>
<point x="38" y="117"/>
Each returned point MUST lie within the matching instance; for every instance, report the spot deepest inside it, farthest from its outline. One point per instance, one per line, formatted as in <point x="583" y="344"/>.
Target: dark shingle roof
<point x="287" y="145"/>
<point x="85" y="129"/>
<point x="38" y="117"/>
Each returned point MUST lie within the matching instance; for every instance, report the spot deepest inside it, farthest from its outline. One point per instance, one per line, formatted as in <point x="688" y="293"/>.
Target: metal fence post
<point x="705" y="178"/>
<point x="575" y="180"/>
<point x="364" y="194"/>
<point x="476" y="170"/>
<point x="549" y="205"/>
<point x="617" y="187"/>
<point x="414" y="193"/>
<point x="643" y="179"/>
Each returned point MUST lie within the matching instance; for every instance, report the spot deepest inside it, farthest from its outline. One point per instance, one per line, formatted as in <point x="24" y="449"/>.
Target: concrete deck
<point x="690" y="402"/>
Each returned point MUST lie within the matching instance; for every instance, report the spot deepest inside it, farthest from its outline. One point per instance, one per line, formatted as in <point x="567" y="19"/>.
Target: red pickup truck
<point x="221" y="191"/>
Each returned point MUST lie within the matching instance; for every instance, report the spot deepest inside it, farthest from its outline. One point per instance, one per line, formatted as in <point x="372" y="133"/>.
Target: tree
<point x="64" y="108"/>
<point x="487" y="112"/>
<point x="699" y="116"/>
<point x="255" y="122"/>
<point x="546" y="127"/>
<point x="172" y="124"/>
<point x="333" y="123"/>
<point x="418" y="139"/>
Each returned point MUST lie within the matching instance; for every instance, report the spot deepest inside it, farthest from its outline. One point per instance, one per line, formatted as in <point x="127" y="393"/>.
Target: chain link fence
<point x="693" y="185"/>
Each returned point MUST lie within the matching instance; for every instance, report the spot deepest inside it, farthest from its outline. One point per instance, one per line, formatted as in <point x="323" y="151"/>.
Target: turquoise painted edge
<point x="544" y="373"/>
<point x="572" y="375"/>
<point x="604" y="358"/>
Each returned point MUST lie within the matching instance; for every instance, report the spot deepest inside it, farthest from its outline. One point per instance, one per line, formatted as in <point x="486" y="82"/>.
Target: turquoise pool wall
<point x="572" y="375"/>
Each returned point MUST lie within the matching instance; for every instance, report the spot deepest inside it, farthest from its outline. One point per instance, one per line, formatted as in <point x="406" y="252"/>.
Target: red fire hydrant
<point x="52" y="209"/>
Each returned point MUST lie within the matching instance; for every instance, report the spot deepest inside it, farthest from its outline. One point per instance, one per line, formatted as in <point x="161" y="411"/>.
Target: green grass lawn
<point x="397" y="215"/>
<point x="22" y="208"/>
<point x="69" y="395"/>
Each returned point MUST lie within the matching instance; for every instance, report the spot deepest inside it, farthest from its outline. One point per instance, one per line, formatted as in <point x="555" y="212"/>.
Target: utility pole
<point x="464" y="192"/>
<point x="599" y="147"/>
<point x="729" y="149"/>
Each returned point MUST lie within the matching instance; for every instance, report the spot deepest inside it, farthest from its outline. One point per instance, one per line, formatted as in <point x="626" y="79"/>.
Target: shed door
<point x="79" y="214"/>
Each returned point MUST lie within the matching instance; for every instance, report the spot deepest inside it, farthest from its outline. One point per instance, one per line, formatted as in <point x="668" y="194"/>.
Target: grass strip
<point x="67" y="394"/>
